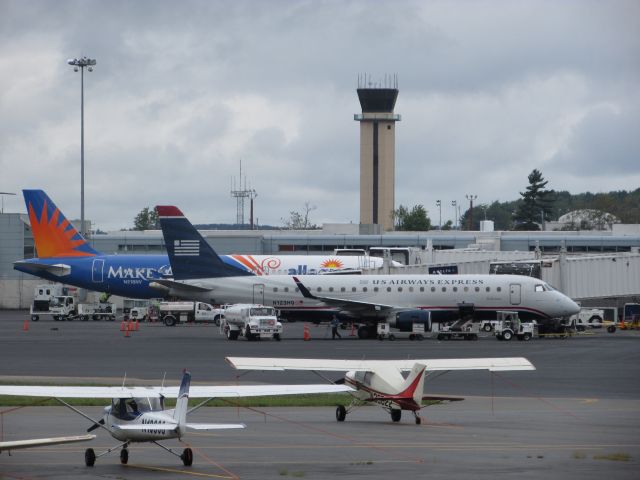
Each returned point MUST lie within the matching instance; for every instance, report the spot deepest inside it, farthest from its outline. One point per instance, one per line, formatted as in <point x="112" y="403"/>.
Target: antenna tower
<point x="240" y="191"/>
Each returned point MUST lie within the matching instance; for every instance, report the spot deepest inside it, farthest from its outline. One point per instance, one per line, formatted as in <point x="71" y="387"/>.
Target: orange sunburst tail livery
<point x="53" y="234"/>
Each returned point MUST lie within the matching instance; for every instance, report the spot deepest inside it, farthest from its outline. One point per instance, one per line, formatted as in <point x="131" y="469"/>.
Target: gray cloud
<point x="183" y="91"/>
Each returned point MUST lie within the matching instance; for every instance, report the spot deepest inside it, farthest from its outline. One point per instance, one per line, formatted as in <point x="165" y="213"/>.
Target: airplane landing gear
<point x="89" y="457"/>
<point x="187" y="457"/>
<point x="124" y="456"/>
<point x="418" y="419"/>
<point x="396" y="415"/>
<point x="341" y="413"/>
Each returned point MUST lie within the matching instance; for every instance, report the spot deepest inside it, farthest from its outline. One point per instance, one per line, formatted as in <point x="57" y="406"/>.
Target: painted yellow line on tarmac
<point x="184" y="472"/>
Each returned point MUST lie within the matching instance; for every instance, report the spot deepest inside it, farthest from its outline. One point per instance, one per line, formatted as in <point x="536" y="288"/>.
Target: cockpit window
<point x="543" y="287"/>
<point x="539" y="287"/>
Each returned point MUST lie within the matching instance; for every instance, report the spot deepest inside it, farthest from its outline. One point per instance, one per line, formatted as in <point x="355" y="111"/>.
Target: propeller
<point x="95" y="425"/>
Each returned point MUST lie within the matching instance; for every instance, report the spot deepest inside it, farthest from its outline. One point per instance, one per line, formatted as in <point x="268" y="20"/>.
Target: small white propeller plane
<point x="381" y="381"/>
<point x="137" y="414"/>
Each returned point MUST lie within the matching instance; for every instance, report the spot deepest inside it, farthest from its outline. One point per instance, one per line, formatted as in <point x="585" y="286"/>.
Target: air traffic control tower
<point x="377" y="151"/>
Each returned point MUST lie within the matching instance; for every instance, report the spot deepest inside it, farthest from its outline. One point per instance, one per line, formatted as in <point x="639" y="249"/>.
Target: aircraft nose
<point x="570" y="307"/>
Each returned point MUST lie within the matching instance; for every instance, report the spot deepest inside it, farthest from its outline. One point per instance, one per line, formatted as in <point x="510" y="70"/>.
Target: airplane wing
<point x="217" y="391"/>
<point x="41" y="442"/>
<point x="140" y="426"/>
<point x="331" y="365"/>
<point x="352" y="305"/>
<point x="188" y="287"/>
<point x="58" y="269"/>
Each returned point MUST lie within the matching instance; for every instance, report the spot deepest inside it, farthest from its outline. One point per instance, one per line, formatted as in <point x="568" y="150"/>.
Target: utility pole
<point x="471" y="198"/>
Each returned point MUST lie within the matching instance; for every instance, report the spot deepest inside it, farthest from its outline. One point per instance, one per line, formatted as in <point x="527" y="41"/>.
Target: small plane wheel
<point x="187" y="457"/>
<point x="89" y="457"/>
<point x="341" y="413"/>
<point x="124" y="456"/>
<point x="396" y="415"/>
<point x="418" y="420"/>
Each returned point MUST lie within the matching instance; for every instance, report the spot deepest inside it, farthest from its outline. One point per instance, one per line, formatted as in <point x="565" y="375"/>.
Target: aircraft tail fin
<point x="53" y="234"/>
<point x="182" y="403"/>
<point x="414" y="384"/>
<point x="190" y="255"/>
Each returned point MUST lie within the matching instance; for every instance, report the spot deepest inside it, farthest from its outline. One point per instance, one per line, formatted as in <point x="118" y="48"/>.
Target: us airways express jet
<point x="65" y="256"/>
<point x="200" y="274"/>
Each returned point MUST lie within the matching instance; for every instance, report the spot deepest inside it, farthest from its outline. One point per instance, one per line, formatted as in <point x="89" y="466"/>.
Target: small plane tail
<point x="182" y="402"/>
<point x="190" y="255"/>
<point x="53" y="234"/>
<point x="413" y="386"/>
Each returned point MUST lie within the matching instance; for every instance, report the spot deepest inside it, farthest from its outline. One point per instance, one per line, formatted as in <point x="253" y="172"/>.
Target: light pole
<point x="439" y="205"/>
<point x="471" y="198"/>
<point x="453" y="204"/>
<point x="80" y="64"/>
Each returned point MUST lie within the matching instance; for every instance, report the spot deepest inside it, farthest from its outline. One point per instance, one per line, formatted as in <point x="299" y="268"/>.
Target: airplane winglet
<point x="304" y="290"/>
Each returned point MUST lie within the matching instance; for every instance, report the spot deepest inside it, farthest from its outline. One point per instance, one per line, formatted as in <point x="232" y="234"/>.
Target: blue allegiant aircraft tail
<point x="53" y="234"/>
<point x="190" y="255"/>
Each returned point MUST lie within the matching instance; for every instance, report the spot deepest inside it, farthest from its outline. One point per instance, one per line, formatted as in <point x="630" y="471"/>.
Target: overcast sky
<point x="184" y="90"/>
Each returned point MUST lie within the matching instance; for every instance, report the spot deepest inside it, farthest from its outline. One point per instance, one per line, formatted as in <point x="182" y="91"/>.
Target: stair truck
<point x="250" y="321"/>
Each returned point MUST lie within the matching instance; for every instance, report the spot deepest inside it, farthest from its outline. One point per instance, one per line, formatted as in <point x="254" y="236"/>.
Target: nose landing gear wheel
<point x="89" y="457"/>
<point x="418" y="420"/>
<point x="341" y="413"/>
<point x="187" y="457"/>
<point x="124" y="456"/>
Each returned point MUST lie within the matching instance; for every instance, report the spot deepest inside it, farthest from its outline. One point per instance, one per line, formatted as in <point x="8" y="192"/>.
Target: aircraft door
<point x="258" y="293"/>
<point x="515" y="293"/>
<point x="97" y="270"/>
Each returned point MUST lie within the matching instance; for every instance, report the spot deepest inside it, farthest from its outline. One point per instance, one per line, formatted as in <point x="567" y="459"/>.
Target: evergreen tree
<point x="537" y="203"/>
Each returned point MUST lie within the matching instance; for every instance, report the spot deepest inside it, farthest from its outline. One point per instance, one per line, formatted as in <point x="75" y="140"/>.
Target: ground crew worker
<point x="335" y="323"/>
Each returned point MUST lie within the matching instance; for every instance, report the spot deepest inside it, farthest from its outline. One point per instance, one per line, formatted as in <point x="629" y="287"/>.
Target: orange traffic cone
<point x="306" y="335"/>
<point x="25" y="325"/>
<point x="127" y="329"/>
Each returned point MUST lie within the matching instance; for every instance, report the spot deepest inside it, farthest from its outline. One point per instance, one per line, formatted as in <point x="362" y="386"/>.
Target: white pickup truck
<point x="251" y="321"/>
<point x="172" y="313"/>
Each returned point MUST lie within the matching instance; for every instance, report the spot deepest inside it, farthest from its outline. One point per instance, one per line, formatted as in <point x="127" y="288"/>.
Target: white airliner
<point x="137" y="414"/>
<point x="200" y="274"/>
<point x="381" y="381"/>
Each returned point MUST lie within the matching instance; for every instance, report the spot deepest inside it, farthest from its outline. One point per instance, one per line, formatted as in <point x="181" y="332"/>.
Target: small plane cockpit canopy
<point x="130" y="408"/>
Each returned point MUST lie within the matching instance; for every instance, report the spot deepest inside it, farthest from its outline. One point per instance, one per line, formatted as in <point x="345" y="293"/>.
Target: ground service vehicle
<point x="251" y="321"/>
<point x="43" y="297"/>
<point x="416" y="332"/>
<point x="509" y="326"/>
<point x="97" y="311"/>
<point x="588" y="318"/>
<point x="173" y="312"/>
